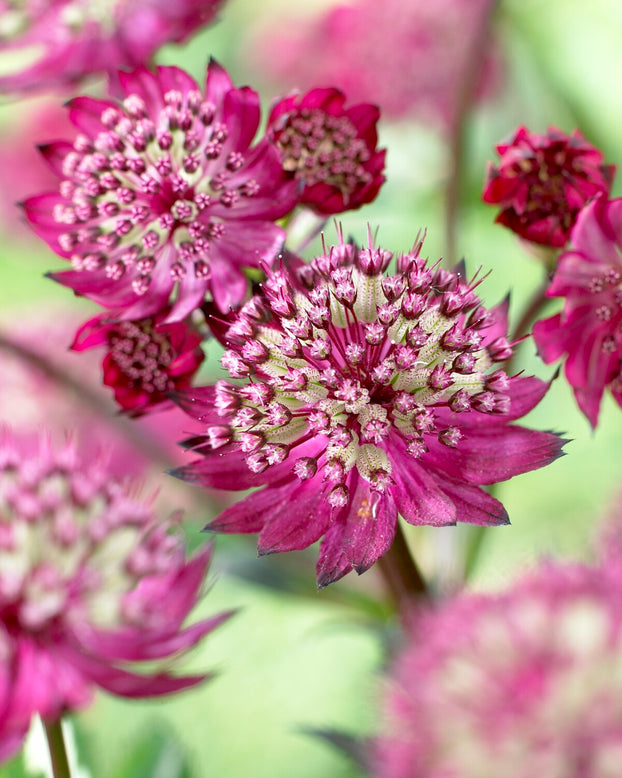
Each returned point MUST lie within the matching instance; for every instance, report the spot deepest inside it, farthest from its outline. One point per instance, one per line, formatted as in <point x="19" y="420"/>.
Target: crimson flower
<point x="360" y="395"/>
<point x="162" y="194"/>
<point x="588" y="332"/>
<point x="145" y="359"/>
<point x="542" y="182"/>
<point x="330" y="150"/>
<point x="60" y="42"/>
<point x="91" y="583"/>
<point x="527" y="682"/>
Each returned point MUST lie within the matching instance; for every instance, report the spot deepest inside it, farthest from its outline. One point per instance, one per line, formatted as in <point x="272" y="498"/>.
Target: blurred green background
<point x="294" y="659"/>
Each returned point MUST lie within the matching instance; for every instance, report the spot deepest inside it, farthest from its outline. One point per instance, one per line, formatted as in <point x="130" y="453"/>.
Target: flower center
<point x="143" y="355"/>
<point x="361" y="362"/>
<point x="320" y="148"/>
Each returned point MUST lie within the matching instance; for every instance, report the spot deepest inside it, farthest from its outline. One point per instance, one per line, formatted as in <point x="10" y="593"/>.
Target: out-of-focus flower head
<point x="56" y="43"/>
<point x="42" y="379"/>
<point x="588" y="332"/>
<point x="360" y="394"/>
<point x="543" y="181"/>
<point x="408" y="58"/>
<point x="145" y="359"/>
<point x="331" y="150"/>
<point x="91" y="583"/>
<point x="163" y="196"/>
<point x="515" y="685"/>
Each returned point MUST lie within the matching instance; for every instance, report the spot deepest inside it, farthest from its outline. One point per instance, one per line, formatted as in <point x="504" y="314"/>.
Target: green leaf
<point x="156" y="755"/>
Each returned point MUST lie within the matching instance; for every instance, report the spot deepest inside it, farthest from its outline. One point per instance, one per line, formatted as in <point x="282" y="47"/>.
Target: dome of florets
<point x="356" y="392"/>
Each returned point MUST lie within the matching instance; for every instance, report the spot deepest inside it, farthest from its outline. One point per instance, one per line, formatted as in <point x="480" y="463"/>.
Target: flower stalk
<point x="58" y="751"/>
<point x="401" y="574"/>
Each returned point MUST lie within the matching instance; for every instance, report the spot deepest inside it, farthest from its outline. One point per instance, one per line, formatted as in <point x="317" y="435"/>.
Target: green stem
<point x="58" y="752"/>
<point x="532" y="310"/>
<point x="401" y="574"/>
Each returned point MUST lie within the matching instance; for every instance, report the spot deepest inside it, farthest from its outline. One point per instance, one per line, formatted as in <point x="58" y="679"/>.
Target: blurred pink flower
<point x="331" y="150"/>
<point x="91" y="582"/>
<point x="406" y="57"/>
<point x="162" y="195"/>
<point x="522" y="684"/>
<point x="588" y="332"/>
<point x="22" y="170"/>
<point x="59" y="42"/>
<point x="145" y="359"/>
<point x="541" y="183"/>
<point x="363" y="395"/>
<point x="43" y="380"/>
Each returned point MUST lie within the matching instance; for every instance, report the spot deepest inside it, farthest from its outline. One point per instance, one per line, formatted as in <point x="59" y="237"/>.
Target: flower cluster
<point x="145" y="360"/>
<point x="363" y="393"/>
<point x="91" y="584"/>
<point x="520" y="684"/>
<point x="542" y="182"/>
<point x="163" y="195"/>
<point x="588" y="332"/>
<point x="330" y="149"/>
<point x="60" y="42"/>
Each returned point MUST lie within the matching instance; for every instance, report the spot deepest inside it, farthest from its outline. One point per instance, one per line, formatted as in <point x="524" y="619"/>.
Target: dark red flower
<point x="145" y="359"/>
<point x="331" y="150"/>
<point x="542" y="181"/>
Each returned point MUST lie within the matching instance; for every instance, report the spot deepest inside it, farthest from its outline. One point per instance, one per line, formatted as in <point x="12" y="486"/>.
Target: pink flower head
<point x="60" y="42"/>
<point x="359" y="395"/>
<point x="407" y="57"/>
<point x="589" y="329"/>
<point x="330" y="150"/>
<point x="145" y="359"/>
<point x="162" y="195"/>
<point x="542" y="182"/>
<point x="90" y="583"/>
<point x="526" y="683"/>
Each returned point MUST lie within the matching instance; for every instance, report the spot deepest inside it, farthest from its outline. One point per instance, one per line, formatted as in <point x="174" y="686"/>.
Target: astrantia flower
<point x="91" y="583"/>
<point x="163" y="195"/>
<point x="408" y="58"/>
<point x="331" y="150"/>
<point x="542" y="181"/>
<point x="58" y="42"/>
<point x="523" y="684"/>
<point x="362" y="395"/>
<point x="589" y="329"/>
<point x="145" y="359"/>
